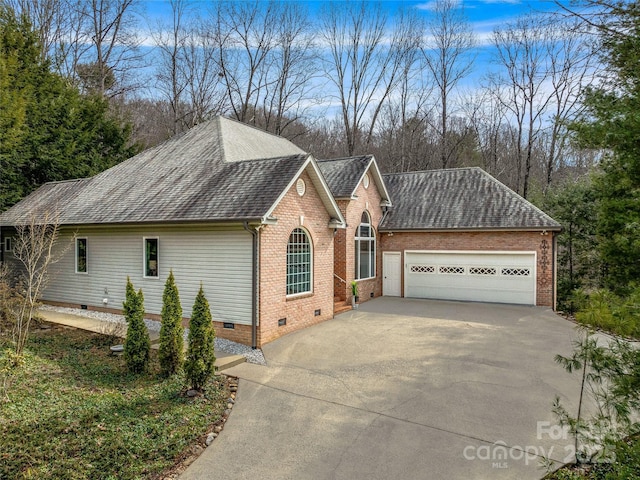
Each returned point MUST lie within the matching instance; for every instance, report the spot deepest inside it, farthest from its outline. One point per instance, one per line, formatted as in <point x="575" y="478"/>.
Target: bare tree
<point x="205" y="91"/>
<point x="571" y="67"/>
<point x="33" y="248"/>
<point x="170" y="38"/>
<point x="521" y="51"/>
<point x="110" y="28"/>
<point x="402" y="133"/>
<point x="287" y="93"/>
<point x="49" y="18"/>
<point x="364" y="62"/>
<point x="447" y="52"/>
<point x="487" y="117"/>
<point x="72" y="45"/>
<point x="245" y="33"/>
<point x="545" y="63"/>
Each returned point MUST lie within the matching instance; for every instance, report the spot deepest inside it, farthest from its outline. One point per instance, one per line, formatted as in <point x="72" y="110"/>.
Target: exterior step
<point x="341" y="307"/>
<point x="224" y="361"/>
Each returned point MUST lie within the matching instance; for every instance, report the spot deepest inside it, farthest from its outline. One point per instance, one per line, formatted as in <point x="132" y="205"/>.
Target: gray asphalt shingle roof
<point x="343" y="174"/>
<point x="219" y="170"/>
<point x="223" y="170"/>
<point x="465" y="198"/>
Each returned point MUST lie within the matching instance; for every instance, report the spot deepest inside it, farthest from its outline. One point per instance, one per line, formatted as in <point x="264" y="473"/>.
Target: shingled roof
<point x="221" y="170"/>
<point x="343" y="175"/>
<point x="458" y="199"/>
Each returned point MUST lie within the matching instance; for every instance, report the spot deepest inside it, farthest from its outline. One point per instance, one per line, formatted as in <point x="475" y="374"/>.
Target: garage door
<point x="504" y="277"/>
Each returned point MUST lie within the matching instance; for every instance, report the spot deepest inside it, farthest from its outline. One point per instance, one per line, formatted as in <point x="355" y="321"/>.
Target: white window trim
<point x="8" y="244"/>
<point x="372" y="239"/>
<point x="144" y="258"/>
<point x="86" y="252"/>
<point x="310" y="291"/>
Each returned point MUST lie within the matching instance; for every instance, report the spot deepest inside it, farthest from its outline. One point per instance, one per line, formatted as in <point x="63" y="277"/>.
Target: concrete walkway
<point x="223" y="360"/>
<point x="401" y="388"/>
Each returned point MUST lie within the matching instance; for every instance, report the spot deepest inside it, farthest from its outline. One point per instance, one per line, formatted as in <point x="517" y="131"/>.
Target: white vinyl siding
<point x="500" y="277"/>
<point x="221" y="260"/>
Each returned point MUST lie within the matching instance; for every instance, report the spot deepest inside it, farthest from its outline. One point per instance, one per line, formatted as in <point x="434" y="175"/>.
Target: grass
<point x="75" y="412"/>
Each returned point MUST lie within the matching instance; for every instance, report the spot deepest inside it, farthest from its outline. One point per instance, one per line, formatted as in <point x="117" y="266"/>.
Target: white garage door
<point x="504" y="277"/>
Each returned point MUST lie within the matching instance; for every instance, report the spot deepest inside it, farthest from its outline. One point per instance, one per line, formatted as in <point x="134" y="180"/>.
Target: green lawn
<point x="75" y="412"/>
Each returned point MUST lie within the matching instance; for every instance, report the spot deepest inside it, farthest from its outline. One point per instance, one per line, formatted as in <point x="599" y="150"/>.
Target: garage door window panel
<point x="482" y="271"/>
<point x="516" y="272"/>
<point x="365" y="246"/>
<point x="454" y="270"/>
<point x="423" y="269"/>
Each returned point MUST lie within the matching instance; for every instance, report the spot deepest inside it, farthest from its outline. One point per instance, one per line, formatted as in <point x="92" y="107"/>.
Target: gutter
<point x="463" y="229"/>
<point x="254" y="284"/>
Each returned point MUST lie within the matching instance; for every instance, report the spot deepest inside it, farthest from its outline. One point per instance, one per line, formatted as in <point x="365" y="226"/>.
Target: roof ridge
<point x="259" y="129"/>
<point x="219" y="139"/>
<point x="453" y="169"/>
<point x="266" y="159"/>
<point x="70" y="180"/>
<point x="353" y="157"/>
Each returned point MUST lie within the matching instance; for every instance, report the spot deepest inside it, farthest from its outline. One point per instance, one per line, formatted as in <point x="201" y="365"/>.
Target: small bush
<point x="137" y="344"/>
<point x="612" y="313"/>
<point x="171" y="343"/>
<point x="199" y="365"/>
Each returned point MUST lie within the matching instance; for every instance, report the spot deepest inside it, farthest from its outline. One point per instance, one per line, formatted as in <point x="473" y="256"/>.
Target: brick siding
<point x="367" y="199"/>
<point x="274" y="303"/>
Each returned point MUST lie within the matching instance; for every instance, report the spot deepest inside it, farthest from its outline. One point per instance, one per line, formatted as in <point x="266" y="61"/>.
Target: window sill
<point x="365" y="279"/>
<point x="298" y="296"/>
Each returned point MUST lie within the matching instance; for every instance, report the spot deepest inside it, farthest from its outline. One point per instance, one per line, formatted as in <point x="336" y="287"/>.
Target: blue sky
<point x="483" y="14"/>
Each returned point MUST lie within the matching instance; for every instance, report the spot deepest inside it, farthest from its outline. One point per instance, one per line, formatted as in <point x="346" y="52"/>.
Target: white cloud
<point x="509" y="2"/>
<point x="431" y="5"/>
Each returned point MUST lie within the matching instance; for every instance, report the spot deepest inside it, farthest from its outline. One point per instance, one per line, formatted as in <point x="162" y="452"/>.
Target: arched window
<point x="365" y="249"/>
<point x="298" y="262"/>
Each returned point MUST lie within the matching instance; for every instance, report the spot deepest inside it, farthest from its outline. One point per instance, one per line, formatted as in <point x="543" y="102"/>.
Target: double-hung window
<point x="365" y="243"/>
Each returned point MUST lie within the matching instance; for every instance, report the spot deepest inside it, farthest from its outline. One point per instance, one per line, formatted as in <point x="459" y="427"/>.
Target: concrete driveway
<point x="401" y="388"/>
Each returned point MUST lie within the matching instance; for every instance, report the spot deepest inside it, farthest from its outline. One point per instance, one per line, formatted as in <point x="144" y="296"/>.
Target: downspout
<point x="385" y="212"/>
<point x="254" y="284"/>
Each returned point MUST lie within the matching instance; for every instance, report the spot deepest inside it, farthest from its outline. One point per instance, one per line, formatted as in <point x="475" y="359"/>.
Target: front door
<point x="392" y="272"/>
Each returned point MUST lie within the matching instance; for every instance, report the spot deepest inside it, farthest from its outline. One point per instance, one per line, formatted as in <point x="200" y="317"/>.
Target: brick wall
<point x="369" y="200"/>
<point x="484" y="241"/>
<point x="274" y="303"/>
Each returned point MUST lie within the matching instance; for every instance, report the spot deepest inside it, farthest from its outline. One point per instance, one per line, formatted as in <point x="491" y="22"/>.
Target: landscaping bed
<point x="624" y="462"/>
<point x="75" y="412"/>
